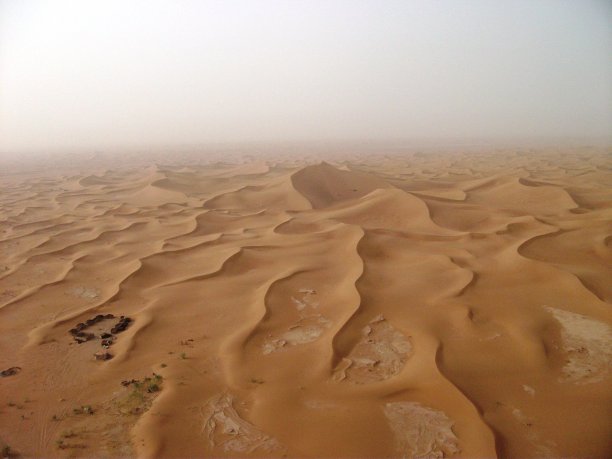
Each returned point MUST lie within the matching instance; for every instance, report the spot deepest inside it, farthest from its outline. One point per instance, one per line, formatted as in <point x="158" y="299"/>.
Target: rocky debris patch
<point x="98" y="318"/>
<point x="421" y="431"/>
<point x="122" y="325"/>
<point x="82" y="337"/>
<point x="86" y="293"/>
<point x="381" y="353"/>
<point x="85" y="409"/>
<point x="6" y="451"/>
<point x="78" y="332"/>
<point x="107" y="338"/>
<point x="155" y="379"/>
<point x="588" y="345"/>
<point x="227" y="430"/>
<point x="308" y="328"/>
<point x="101" y="355"/>
<point x="10" y="371"/>
<point x="139" y="398"/>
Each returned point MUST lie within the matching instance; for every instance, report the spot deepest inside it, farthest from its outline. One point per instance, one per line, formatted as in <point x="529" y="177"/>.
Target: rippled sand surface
<point x="422" y="305"/>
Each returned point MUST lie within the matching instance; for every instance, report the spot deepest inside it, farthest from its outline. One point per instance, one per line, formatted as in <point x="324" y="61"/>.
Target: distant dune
<point x="424" y="305"/>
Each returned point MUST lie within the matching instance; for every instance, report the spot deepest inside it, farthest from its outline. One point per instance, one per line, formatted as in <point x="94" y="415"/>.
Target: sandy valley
<point x="414" y="305"/>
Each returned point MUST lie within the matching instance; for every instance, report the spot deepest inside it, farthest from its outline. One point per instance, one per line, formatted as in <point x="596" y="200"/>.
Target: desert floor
<point x="417" y="305"/>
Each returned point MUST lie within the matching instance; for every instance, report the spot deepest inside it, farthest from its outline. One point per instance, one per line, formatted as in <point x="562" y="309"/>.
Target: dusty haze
<point x="114" y="73"/>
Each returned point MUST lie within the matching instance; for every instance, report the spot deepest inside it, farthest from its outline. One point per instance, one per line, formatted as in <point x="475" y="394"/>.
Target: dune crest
<point x="324" y="185"/>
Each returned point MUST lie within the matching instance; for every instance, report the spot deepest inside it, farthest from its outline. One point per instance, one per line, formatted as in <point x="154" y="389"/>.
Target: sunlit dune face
<point x="415" y="305"/>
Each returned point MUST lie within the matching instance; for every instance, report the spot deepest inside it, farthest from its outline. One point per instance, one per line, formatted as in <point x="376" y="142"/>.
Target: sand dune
<point x="424" y="305"/>
<point x="324" y="185"/>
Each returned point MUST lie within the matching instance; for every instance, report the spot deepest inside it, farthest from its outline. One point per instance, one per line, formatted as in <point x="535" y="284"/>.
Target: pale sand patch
<point x="381" y="353"/>
<point x="421" y="431"/>
<point x="225" y="429"/>
<point x="306" y="300"/>
<point x="588" y="344"/>
<point x="542" y="447"/>
<point x="87" y="293"/>
<point x="530" y="390"/>
<point x="307" y="329"/>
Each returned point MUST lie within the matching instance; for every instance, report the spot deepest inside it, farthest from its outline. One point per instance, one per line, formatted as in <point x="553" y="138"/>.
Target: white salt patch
<point x="421" y="431"/>
<point x="543" y="447"/>
<point x="588" y="343"/>
<point x="300" y="305"/>
<point x="381" y="353"/>
<point x="226" y="429"/>
<point x="307" y="330"/>
<point x="530" y="390"/>
<point x="302" y="335"/>
<point x="87" y="293"/>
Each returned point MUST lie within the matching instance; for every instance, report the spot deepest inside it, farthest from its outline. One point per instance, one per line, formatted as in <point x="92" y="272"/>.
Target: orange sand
<point x="423" y="305"/>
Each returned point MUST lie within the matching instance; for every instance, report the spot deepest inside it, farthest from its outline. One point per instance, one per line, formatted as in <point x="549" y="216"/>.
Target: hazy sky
<point x="101" y="73"/>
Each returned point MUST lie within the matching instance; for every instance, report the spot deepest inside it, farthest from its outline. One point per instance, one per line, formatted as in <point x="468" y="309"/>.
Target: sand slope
<point x="423" y="305"/>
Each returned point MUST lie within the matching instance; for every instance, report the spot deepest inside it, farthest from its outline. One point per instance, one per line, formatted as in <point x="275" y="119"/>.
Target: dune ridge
<point x="418" y="305"/>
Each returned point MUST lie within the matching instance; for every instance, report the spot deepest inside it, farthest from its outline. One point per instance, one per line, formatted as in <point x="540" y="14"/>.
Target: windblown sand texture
<point x="417" y="305"/>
